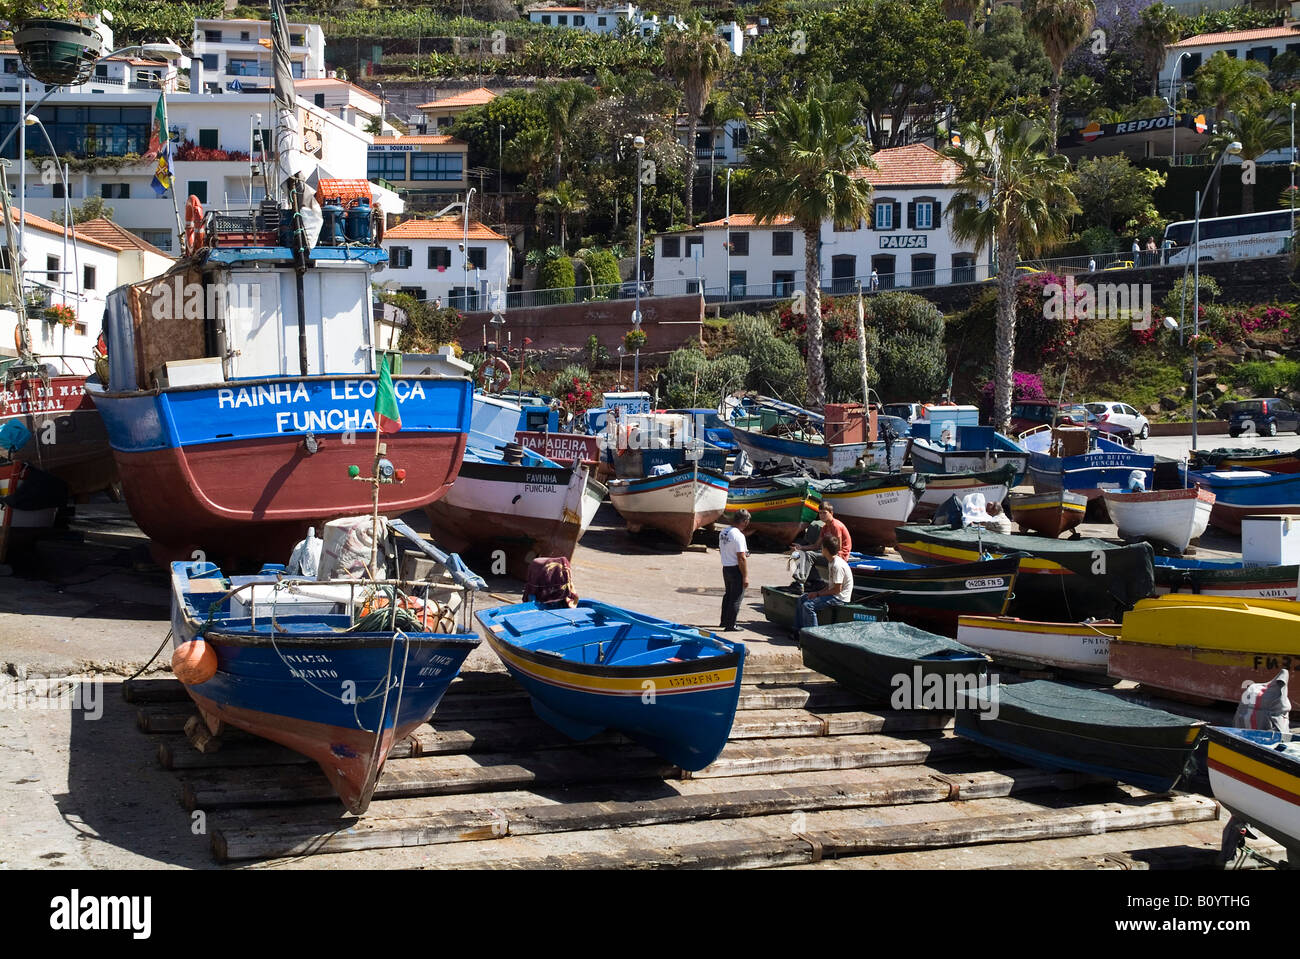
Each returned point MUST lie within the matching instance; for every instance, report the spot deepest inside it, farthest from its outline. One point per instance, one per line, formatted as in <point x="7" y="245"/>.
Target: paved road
<point x="1177" y="446"/>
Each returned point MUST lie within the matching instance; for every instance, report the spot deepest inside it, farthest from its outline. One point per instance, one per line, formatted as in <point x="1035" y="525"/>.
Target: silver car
<point x="1121" y="414"/>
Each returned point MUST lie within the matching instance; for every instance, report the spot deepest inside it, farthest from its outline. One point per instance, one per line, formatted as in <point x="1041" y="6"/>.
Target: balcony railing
<point x="710" y="153"/>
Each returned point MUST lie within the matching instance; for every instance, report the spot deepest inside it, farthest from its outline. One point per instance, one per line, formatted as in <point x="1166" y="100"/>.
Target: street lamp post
<point x="501" y="157"/>
<point x="726" y="222"/>
<point x="639" y="144"/>
<point x="465" y="249"/>
<point x="167" y="51"/>
<point x="1292" y="165"/>
<point x="1234" y="148"/>
<point x="1173" y="105"/>
<point x="382" y="111"/>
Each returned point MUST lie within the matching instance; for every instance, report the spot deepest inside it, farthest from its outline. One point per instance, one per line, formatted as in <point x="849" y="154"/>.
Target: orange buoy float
<point x="194" y="662"/>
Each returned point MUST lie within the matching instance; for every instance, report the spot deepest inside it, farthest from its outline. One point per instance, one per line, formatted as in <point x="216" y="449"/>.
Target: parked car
<point x="1028" y="414"/>
<point x="1267" y="417"/>
<point x="1079" y="415"/>
<point x="627" y="290"/>
<point x="905" y="411"/>
<point x="895" y="424"/>
<point x="1109" y="411"/>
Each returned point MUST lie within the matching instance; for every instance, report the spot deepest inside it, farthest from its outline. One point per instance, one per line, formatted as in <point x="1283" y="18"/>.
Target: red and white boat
<point x="1172" y="517"/>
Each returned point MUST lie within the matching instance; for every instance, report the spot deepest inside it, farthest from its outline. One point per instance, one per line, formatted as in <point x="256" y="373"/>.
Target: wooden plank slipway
<point x="811" y="774"/>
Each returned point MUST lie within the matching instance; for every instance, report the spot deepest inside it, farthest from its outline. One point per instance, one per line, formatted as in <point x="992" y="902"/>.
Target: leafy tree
<point x="691" y="379"/>
<point x="427" y="328"/>
<point x="695" y="57"/>
<point x="1060" y="25"/>
<point x="557" y="274"/>
<point x="909" y="357"/>
<point x="1114" y="194"/>
<point x="806" y="157"/>
<point x="561" y="103"/>
<point x="775" y="366"/>
<point x="602" y="269"/>
<point x="907" y="58"/>
<point x="92" y="208"/>
<point x="1011" y="64"/>
<point x="520" y="114"/>
<point x="1011" y="193"/>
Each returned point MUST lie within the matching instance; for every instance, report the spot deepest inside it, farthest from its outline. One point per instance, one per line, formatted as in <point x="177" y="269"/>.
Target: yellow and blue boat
<point x="1255" y="774"/>
<point x="671" y="688"/>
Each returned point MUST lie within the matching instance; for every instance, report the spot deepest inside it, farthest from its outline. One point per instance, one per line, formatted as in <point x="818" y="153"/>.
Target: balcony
<point x="710" y="153"/>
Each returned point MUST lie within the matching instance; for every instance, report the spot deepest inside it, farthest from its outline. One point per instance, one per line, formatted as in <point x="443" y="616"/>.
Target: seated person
<point x="837" y="593"/>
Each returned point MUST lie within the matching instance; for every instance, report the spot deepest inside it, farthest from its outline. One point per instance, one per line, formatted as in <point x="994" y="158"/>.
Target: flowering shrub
<point x="1024" y="386"/>
<point x="1255" y="319"/>
<point x="579" y="397"/>
<point x="839" y="323"/>
<point x="189" y="150"/>
<point x="65" y="316"/>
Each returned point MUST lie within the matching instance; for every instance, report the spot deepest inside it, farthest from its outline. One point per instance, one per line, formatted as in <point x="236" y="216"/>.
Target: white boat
<point x="994" y="484"/>
<point x="872" y="508"/>
<point x="518" y="503"/>
<point x="1083" y="647"/>
<point x="1173" y="517"/>
<point x="677" y="503"/>
<point x="1255" y="775"/>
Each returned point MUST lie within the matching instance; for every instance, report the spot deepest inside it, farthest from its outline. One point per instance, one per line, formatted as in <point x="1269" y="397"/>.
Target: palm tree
<point x="806" y="158"/>
<point x="695" y="58"/>
<point x="1260" y="132"/>
<point x="564" y="200"/>
<point x="561" y="102"/>
<point x="1158" y="26"/>
<point x="1011" y="194"/>
<point x="1060" y="26"/>
<point x="1227" y="84"/>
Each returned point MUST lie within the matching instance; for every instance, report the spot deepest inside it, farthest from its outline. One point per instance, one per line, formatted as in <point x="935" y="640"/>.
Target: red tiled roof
<point x="441" y="228"/>
<point x="32" y="221"/>
<point x="744" y="219"/>
<point x="110" y="234"/>
<point x="468" y="98"/>
<point x="431" y="139"/>
<point x="1238" y="36"/>
<point x="913" y="165"/>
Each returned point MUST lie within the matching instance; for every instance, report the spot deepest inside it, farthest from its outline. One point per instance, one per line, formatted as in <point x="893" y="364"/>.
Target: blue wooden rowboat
<point x="300" y="663"/>
<point x="1242" y="493"/>
<point x="671" y="688"/>
<point x="1063" y="459"/>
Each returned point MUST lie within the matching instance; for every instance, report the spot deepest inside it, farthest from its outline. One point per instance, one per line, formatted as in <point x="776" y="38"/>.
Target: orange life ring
<point x="193" y="224"/>
<point x="497" y="383"/>
<point x="18" y="337"/>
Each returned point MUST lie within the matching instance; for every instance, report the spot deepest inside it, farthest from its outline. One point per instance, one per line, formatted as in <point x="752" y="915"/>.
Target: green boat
<point x="780" y="508"/>
<point x="894" y="663"/>
<point x="780" y="602"/>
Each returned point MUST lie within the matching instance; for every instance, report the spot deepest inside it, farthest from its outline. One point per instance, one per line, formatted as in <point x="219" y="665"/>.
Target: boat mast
<point x="287" y="144"/>
<point x="15" y="268"/>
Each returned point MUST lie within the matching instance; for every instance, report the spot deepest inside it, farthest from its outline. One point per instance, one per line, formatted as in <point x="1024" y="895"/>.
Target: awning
<point x="1145" y="137"/>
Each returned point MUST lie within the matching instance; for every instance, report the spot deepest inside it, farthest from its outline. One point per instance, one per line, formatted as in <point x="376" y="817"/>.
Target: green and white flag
<point x="387" y="415"/>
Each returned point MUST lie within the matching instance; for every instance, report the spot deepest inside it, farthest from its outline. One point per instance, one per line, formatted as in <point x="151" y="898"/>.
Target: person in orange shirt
<point x="831" y="527"/>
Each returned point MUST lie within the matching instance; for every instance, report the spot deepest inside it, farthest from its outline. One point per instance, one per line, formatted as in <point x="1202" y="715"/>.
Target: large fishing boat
<point x="242" y="383"/>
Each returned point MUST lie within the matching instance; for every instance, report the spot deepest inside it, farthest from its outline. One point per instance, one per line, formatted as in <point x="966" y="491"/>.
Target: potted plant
<point x="63" y="315"/>
<point x="633" y="340"/>
<point x="57" y="42"/>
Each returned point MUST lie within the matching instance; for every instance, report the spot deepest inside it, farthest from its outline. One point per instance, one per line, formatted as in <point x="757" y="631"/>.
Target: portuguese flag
<point x="387" y="416"/>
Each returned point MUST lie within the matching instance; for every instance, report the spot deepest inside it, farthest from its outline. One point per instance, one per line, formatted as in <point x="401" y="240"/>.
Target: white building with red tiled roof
<point x="907" y="241"/>
<point x="430" y="260"/>
<point x="72" y="269"/>
<point x="1264" y="44"/>
<point x="443" y="111"/>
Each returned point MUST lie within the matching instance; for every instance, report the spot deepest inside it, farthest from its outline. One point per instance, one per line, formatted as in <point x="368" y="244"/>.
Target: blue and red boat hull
<point x="239" y="470"/>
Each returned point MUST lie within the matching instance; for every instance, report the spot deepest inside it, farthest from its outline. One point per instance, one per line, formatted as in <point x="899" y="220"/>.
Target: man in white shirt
<point x="735" y="569"/>
<point x="838" y="591"/>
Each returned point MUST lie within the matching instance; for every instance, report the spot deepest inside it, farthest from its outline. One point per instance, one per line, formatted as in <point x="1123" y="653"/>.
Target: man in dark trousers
<point x="735" y="568"/>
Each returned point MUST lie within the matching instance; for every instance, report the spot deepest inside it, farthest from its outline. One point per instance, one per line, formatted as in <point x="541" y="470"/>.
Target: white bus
<point x="1232" y="237"/>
